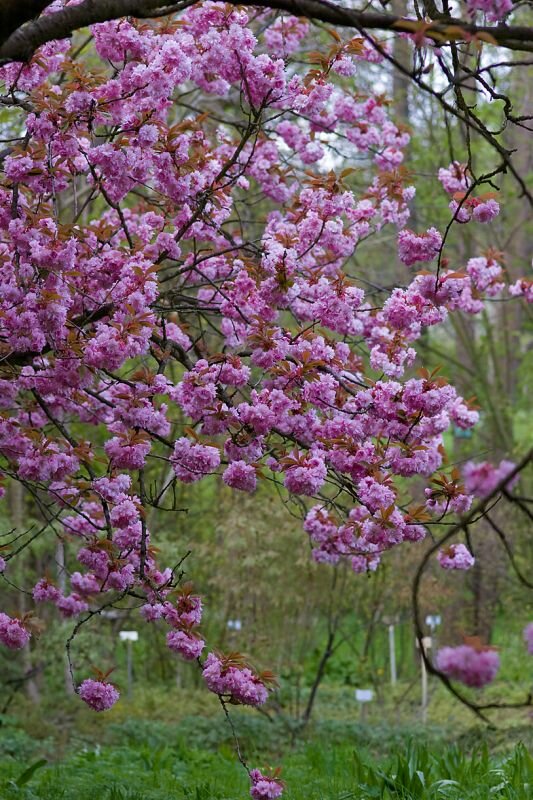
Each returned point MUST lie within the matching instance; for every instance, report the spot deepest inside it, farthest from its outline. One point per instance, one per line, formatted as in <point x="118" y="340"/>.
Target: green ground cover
<point x="68" y="753"/>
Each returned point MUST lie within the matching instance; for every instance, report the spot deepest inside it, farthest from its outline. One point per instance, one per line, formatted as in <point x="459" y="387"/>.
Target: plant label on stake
<point x="129" y="637"/>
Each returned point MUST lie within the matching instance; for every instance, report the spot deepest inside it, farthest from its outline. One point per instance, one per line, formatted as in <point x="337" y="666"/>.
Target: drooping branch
<point x="482" y="508"/>
<point x="21" y="34"/>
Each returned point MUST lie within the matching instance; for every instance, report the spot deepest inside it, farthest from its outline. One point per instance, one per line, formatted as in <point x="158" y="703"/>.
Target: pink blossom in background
<point x="99" y="695"/>
<point x="472" y="666"/>
<point x="522" y="288"/>
<point x="456" y="556"/>
<point x="454" y="178"/>
<point x="285" y="35"/>
<point x="495" y="10"/>
<point x="482" y="478"/>
<point x="528" y="637"/>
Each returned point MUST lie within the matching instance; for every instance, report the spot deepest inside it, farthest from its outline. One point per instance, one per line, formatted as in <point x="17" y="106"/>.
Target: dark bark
<point x="18" y="44"/>
<point x="326" y="655"/>
<point x="400" y="80"/>
<point x="14" y="13"/>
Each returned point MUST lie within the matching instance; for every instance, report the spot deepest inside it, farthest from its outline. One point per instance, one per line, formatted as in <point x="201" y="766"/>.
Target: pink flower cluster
<point x="186" y="644"/>
<point x="495" y="10"/>
<point x="473" y="666"/>
<point x="99" y="695"/>
<point x="483" y="477"/>
<point x="456" y="556"/>
<point x="182" y="616"/>
<point x="486" y="275"/>
<point x="475" y="208"/>
<point x="522" y="288"/>
<point x="263" y="787"/>
<point x="13" y="634"/>
<point x="413" y="247"/>
<point x="454" y="178"/>
<point x="234" y="680"/>
<point x="191" y="462"/>
<point x="305" y="474"/>
<point x="240" y="475"/>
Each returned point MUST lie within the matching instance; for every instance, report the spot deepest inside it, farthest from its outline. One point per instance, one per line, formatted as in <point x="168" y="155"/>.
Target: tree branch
<point x="21" y="35"/>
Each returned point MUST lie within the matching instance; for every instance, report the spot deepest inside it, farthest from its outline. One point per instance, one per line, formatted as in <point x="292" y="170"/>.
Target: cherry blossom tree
<point x="180" y="222"/>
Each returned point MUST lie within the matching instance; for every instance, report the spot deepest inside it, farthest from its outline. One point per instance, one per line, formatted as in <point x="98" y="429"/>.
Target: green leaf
<point x="28" y="774"/>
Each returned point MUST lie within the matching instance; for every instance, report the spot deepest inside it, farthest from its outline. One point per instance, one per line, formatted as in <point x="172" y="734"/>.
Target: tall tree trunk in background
<point x="400" y="82"/>
<point x="518" y="216"/>
<point x="16" y="503"/>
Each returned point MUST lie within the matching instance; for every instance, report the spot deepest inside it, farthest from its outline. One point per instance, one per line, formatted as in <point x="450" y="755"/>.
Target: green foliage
<point x="151" y="761"/>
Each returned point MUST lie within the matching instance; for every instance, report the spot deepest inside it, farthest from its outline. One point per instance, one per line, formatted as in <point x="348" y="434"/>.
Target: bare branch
<point x="25" y="35"/>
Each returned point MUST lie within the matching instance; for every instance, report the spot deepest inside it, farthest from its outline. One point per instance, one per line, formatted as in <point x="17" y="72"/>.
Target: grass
<point x="313" y="773"/>
<point x="150" y="761"/>
<point x="169" y="744"/>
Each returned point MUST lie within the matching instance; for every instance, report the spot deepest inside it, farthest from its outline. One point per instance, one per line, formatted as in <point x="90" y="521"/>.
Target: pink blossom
<point x="192" y="462"/>
<point x="126" y="453"/>
<point x="305" y="474"/>
<point x="283" y="37"/>
<point x="45" y="591"/>
<point x="482" y="478"/>
<point x="485" y="211"/>
<point x="186" y="612"/>
<point x="189" y="647"/>
<point x="72" y="605"/>
<point x="495" y="10"/>
<point x="456" y="556"/>
<point x="238" y="682"/>
<point x="2" y="564"/>
<point x="264" y="788"/>
<point x="486" y="274"/>
<point x="120" y="579"/>
<point x="152" y="611"/>
<point x="454" y="178"/>
<point x="413" y="247"/>
<point x="83" y="584"/>
<point x="240" y="475"/>
<point x="13" y="633"/>
<point x="99" y="695"/>
<point x="470" y="665"/>
<point x="522" y="288"/>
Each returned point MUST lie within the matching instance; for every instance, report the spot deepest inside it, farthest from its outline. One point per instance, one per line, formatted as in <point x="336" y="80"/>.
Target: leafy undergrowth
<point x="146" y="768"/>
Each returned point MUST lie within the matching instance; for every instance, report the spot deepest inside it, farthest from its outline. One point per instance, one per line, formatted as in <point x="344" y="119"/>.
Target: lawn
<point x="152" y="761"/>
